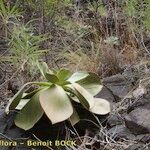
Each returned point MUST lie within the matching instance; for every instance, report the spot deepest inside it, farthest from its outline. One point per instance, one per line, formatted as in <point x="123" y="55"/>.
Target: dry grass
<point x="80" y="60"/>
<point x="82" y="40"/>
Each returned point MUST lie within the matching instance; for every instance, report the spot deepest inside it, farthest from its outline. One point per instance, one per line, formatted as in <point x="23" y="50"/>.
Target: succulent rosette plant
<point x="55" y="97"/>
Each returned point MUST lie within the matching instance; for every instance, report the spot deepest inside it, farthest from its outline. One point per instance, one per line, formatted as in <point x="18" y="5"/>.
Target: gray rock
<point x="7" y="126"/>
<point x="3" y="124"/>
<point x="119" y="132"/>
<point x="138" y="121"/>
<point x="119" y="85"/>
<point x="9" y="131"/>
<point x="142" y="102"/>
<point x="115" y="79"/>
<point x="114" y="120"/>
<point x="105" y="93"/>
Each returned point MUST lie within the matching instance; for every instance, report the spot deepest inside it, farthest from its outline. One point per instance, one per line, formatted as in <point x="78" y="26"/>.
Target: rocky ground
<point x="130" y="120"/>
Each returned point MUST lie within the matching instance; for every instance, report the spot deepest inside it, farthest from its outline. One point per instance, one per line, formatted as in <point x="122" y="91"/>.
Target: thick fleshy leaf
<point x="30" y="114"/>
<point x="16" y="99"/>
<point x="101" y="106"/>
<point x="74" y="118"/>
<point x="18" y="96"/>
<point x="77" y="100"/>
<point x="29" y="95"/>
<point x="51" y="78"/>
<point x="63" y="74"/>
<point x="91" y="83"/>
<point x="56" y="104"/>
<point x="85" y="98"/>
<point x="22" y="103"/>
<point x="43" y="67"/>
<point x="78" y="76"/>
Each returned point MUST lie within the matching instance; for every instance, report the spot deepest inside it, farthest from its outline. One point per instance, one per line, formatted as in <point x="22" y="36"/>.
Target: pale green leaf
<point x="22" y="103"/>
<point x="63" y="74"/>
<point x="56" y="104"/>
<point x="30" y="114"/>
<point x="85" y="98"/>
<point x="16" y="99"/>
<point x="29" y="95"/>
<point x="51" y="78"/>
<point x="43" y="67"/>
<point x="13" y="102"/>
<point x="101" y="106"/>
<point x="74" y="118"/>
<point x="78" y="76"/>
<point x="91" y="83"/>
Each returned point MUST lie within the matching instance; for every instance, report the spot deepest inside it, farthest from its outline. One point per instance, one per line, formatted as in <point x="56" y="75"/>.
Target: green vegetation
<point x="9" y="15"/>
<point x="24" y="47"/>
<point x="75" y="32"/>
<point x="54" y="98"/>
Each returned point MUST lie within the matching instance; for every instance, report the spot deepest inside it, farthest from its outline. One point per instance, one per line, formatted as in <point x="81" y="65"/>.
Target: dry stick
<point x="108" y="139"/>
<point x="104" y="142"/>
<point x="142" y="42"/>
<point x="77" y="133"/>
<point x="148" y="144"/>
<point x="145" y="46"/>
<point x="116" y="21"/>
<point x="3" y="53"/>
<point x="128" y="94"/>
<point x="6" y="137"/>
<point x="78" y="136"/>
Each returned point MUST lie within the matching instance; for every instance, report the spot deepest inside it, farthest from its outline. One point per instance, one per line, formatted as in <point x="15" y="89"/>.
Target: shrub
<point x="25" y="48"/>
<point x="54" y="98"/>
<point x="9" y="15"/>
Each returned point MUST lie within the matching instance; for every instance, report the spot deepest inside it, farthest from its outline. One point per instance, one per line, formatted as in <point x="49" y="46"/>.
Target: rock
<point x="9" y="131"/>
<point x="7" y="126"/>
<point x="138" y="121"/>
<point x="14" y="85"/>
<point x="105" y="93"/>
<point x="2" y="122"/>
<point x="43" y="130"/>
<point x="119" y="85"/>
<point x="119" y="132"/>
<point x="114" y="120"/>
<point x="138" y="118"/>
<point x="139" y="92"/>
<point x="144" y="102"/>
